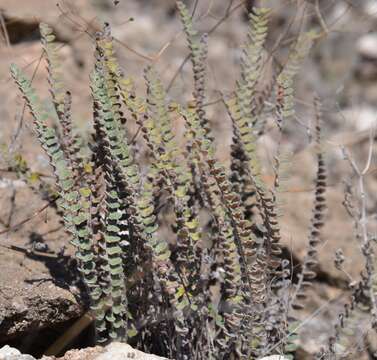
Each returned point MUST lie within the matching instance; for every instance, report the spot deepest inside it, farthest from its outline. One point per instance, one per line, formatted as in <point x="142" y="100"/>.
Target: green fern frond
<point x="247" y="144"/>
<point x="243" y="236"/>
<point x="198" y="51"/>
<point x="241" y="110"/>
<point x="74" y="203"/>
<point x="171" y="165"/>
<point x="55" y="77"/>
<point x="252" y="63"/>
<point x="285" y="91"/>
<point x="61" y="98"/>
<point x="158" y="113"/>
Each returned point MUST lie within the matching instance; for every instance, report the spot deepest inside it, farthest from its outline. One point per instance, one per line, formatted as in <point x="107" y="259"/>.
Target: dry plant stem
<point x="5" y="31"/>
<point x="315" y="313"/>
<point x="280" y="39"/>
<point x="363" y="221"/>
<point x="21" y="121"/>
<point x="73" y="332"/>
<point x="39" y="59"/>
<point x="96" y="28"/>
<point x="14" y="227"/>
<point x="320" y="18"/>
<point x="12" y="207"/>
<point x="228" y="13"/>
<point x="194" y="8"/>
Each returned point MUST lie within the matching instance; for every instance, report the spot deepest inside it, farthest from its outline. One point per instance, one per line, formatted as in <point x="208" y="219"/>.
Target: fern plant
<point x="143" y="288"/>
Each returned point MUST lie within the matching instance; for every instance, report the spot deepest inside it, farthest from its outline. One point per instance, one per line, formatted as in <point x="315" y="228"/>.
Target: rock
<point x="359" y="118"/>
<point x="32" y="307"/>
<point x="370" y="8"/>
<point x="9" y="353"/>
<point x="119" y="351"/>
<point x="37" y="287"/>
<point x="367" y="46"/>
<point x="114" y="351"/>
<point x="366" y="68"/>
<point x="275" y="357"/>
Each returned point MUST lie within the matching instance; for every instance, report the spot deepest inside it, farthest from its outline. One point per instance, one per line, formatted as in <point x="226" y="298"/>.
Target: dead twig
<point x="21" y="121"/>
<point x="12" y="207"/>
<point x="320" y="18"/>
<point x="229" y="11"/>
<point x="362" y="222"/>
<point x="16" y="226"/>
<point x="4" y="31"/>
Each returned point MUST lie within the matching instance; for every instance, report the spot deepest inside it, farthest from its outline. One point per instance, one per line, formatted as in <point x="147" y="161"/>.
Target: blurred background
<point x="39" y="298"/>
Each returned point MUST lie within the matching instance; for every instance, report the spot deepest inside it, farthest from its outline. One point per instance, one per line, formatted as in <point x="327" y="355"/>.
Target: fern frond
<point x="242" y="110"/>
<point x="239" y="178"/>
<point x="318" y="214"/>
<point x="116" y="231"/>
<point x="252" y="64"/>
<point x="284" y="83"/>
<point x="266" y="199"/>
<point x="55" y="75"/>
<point x="121" y="181"/>
<point x="74" y="203"/>
<point x="242" y="234"/>
<point x="170" y="161"/>
<point x="61" y="99"/>
<point x="198" y="51"/>
<point x="159" y="116"/>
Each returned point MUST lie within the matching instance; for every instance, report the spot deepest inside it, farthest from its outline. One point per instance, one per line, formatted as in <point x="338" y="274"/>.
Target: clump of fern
<point x="143" y="288"/>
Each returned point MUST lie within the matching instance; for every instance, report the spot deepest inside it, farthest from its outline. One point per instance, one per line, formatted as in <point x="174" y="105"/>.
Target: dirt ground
<point x="38" y="288"/>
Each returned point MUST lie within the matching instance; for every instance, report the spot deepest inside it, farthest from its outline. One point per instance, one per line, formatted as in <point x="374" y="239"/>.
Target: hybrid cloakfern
<point x="142" y="287"/>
